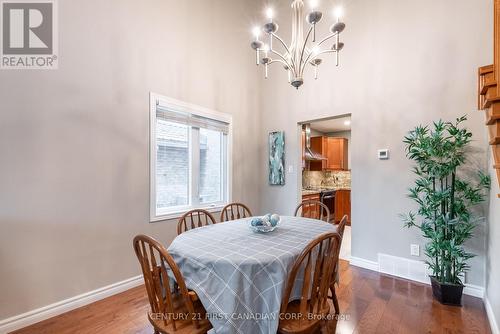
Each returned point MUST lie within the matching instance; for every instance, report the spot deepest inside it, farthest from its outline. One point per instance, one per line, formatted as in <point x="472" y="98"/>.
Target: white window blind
<point x="189" y="159"/>
<point x="183" y="117"/>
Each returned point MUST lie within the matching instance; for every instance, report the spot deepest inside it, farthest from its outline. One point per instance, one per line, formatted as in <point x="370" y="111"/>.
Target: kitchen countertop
<point x="306" y="192"/>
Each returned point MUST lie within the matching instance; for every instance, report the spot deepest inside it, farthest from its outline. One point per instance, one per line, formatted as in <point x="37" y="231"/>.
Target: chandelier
<point x="295" y="57"/>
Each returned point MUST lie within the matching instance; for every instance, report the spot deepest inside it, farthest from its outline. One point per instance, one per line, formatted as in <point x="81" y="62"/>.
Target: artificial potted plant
<point x="445" y="198"/>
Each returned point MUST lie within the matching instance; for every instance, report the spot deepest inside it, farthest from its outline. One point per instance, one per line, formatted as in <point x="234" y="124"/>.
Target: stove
<point x="327" y="197"/>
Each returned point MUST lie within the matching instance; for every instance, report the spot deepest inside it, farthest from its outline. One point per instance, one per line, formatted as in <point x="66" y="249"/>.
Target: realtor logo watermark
<point x="29" y="34"/>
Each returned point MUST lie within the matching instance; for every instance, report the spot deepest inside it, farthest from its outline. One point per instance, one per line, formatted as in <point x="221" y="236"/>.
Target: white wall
<point x="74" y="177"/>
<point x="404" y="63"/>
<point x="492" y="262"/>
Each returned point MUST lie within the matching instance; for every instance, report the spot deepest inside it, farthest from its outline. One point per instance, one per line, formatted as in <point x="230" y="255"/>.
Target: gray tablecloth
<point x="240" y="275"/>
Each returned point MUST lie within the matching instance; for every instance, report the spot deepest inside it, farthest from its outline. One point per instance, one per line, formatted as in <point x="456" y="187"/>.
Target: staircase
<point x="489" y="101"/>
<point x="489" y="93"/>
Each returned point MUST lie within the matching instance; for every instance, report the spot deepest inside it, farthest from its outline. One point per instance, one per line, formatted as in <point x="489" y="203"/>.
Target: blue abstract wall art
<point x="277" y="158"/>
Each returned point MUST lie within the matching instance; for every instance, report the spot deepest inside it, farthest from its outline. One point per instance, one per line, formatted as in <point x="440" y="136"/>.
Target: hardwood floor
<point x="369" y="302"/>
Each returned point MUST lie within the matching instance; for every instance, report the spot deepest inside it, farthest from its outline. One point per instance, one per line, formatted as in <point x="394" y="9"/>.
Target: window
<point x="189" y="158"/>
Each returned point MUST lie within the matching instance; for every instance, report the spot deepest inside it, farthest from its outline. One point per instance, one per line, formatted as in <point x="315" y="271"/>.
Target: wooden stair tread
<point x="488" y="101"/>
<point x="486" y="69"/>
<point x="495" y="141"/>
<point x="486" y="86"/>
<point x="491" y="119"/>
<point x="492" y="113"/>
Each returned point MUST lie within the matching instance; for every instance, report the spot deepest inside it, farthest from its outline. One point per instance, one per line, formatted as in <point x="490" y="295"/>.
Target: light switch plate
<point x="414" y="250"/>
<point x="290" y="169"/>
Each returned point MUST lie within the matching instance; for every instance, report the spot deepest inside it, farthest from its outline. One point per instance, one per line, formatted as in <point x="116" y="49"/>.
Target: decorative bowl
<point x="264" y="224"/>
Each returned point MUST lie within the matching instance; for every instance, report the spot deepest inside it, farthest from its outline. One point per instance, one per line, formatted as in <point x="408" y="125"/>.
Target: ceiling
<point x="332" y="125"/>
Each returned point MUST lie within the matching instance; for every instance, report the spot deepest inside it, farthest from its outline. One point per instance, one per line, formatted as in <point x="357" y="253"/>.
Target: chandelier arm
<point x="307" y="60"/>
<point x="279" y="61"/>
<point x="281" y="41"/>
<point x="327" y="38"/>
<point x="322" y="52"/>
<point x="283" y="59"/>
<point x="304" y="48"/>
<point x="285" y="46"/>
<point x="318" y="54"/>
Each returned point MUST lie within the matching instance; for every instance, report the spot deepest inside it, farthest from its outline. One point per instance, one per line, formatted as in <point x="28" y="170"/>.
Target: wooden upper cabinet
<point x="337" y="153"/>
<point x="319" y="145"/>
<point x="303" y="140"/>
<point x="335" y="150"/>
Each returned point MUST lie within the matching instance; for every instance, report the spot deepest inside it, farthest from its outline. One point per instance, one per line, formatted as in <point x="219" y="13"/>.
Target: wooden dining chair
<point x="317" y="262"/>
<point x="193" y="219"/>
<point x="174" y="309"/>
<point x="234" y="211"/>
<point x="313" y="209"/>
<point x="335" y="276"/>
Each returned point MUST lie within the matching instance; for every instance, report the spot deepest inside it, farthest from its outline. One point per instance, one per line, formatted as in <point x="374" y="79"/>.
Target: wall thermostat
<point x="383" y="154"/>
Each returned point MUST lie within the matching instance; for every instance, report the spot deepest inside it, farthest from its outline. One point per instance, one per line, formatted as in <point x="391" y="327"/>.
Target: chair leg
<point x="334" y="299"/>
<point x="324" y="329"/>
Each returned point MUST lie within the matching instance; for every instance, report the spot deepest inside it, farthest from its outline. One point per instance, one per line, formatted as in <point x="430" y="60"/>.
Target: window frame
<point x="169" y="103"/>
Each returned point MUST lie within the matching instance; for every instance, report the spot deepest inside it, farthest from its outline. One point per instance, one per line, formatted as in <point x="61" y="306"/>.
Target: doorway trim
<point x="298" y="190"/>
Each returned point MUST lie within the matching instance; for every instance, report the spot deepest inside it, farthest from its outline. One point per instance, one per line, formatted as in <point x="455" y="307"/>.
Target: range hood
<point x="310" y="155"/>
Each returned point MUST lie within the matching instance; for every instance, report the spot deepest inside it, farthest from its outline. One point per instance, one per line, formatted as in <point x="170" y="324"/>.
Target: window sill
<point x="178" y="214"/>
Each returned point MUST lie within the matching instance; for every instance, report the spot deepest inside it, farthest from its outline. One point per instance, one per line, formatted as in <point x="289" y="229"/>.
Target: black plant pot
<point x="448" y="294"/>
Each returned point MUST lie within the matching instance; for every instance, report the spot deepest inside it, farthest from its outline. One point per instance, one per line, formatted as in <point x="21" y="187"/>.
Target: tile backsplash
<point x="334" y="179"/>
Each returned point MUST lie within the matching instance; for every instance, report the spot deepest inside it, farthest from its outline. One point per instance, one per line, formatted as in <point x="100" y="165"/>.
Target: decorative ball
<point x="264" y="224"/>
<point x="275" y="220"/>
<point x="256" y="222"/>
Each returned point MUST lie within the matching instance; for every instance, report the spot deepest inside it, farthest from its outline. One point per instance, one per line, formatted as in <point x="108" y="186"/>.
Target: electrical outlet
<point x="414" y="250"/>
<point x="383" y="154"/>
<point x="290" y="169"/>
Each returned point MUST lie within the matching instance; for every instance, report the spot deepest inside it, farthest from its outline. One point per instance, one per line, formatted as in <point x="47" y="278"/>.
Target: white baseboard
<point x="474" y="290"/>
<point x="49" y="311"/>
<point x="362" y="263"/>
<point x="345" y="257"/>
<point x="407" y="269"/>
<point x="491" y="317"/>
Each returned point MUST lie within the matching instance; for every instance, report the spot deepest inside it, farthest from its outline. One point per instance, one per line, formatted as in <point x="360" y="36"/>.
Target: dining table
<point x="240" y="275"/>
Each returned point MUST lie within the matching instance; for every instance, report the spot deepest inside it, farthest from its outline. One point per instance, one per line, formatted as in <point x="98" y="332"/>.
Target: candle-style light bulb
<point x="314" y="17"/>
<point x="256" y="44"/>
<point x="338" y="13"/>
<point x="266" y="59"/>
<point x="266" y="49"/>
<point x="256" y="32"/>
<point x="270" y="14"/>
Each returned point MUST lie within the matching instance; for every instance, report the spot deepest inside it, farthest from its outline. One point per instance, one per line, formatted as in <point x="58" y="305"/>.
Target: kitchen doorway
<point x="326" y="169"/>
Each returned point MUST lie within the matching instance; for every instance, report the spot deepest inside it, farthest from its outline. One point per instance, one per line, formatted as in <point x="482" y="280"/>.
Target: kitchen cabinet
<point x="343" y="205"/>
<point x="334" y="149"/>
<point x="319" y="145"/>
<point x="307" y="210"/>
<point x="337" y="153"/>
